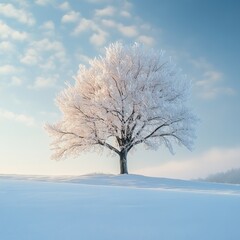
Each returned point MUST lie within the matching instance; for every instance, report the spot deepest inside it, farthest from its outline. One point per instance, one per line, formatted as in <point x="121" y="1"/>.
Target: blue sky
<point x="42" y="42"/>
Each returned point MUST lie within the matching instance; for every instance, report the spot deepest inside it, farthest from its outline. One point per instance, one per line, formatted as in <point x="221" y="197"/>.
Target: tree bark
<point x="123" y="162"/>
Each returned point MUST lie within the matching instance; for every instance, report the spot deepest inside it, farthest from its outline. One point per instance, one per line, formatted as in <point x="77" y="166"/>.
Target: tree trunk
<point x="123" y="162"/>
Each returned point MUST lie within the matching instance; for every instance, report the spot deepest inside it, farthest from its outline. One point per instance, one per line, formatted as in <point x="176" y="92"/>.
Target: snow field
<point x="98" y="207"/>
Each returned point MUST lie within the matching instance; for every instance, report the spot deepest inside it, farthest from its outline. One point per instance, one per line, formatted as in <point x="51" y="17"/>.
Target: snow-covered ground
<point x="117" y="207"/>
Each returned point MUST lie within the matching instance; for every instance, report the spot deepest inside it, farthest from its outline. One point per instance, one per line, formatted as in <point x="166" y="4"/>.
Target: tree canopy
<point x="130" y="96"/>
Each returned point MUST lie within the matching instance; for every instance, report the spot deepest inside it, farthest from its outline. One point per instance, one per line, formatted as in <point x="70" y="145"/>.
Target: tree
<point x="130" y="96"/>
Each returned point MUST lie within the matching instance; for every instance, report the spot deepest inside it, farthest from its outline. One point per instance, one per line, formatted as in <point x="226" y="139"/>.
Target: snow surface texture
<point x="117" y="207"/>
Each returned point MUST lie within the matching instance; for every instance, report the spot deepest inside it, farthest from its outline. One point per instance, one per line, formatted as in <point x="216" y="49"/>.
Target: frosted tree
<point x="130" y="96"/>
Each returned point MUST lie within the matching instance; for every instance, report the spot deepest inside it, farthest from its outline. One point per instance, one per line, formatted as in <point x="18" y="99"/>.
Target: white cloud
<point x="127" y="5"/>
<point x="98" y="1"/>
<point x="128" y="31"/>
<point x="82" y="58"/>
<point x="84" y="24"/>
<point x="31" y="57"/>
<point x="145" y="26"/>
<point x="7" y="69"/>
<point x="99" y="38"/>
<point x="48" y="45"/>
<point x="44" y="82"/>
<point x="16" y="81"/>
<point x="213" y="75"/>
<point x="108" y="11"/>
<point x="6" y="46"/>
<point x="210" y="84"/>
<point x="7" y="32"/>
<point x="146" y="40"/>
<point x="34" y="54"/>
<point x="49" y="25"/>
<point x="56" y="48"/>
<point x="65" y="6"/>
<point x="48" y="64"/>
<point x="43" y="2"/>
<point x="210" y="162"/>
<point x="212" y="93"/>
<point x="70" y="17"/>
<point x="201" y="63"/>
<point x="23" y="3"/>
<point x="21" y="118"/>
<point x="8" y="10"/>
<point x="125" y="14"/>
<point x="109" y="23"/>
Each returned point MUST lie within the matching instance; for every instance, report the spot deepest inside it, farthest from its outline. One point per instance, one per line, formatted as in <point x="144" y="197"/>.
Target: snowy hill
<point x="231" y="176"/>
<point x="116" y="207"/>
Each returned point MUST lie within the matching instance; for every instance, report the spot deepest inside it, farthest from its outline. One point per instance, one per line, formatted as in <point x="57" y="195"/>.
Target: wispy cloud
<point x="212" y="161"/>
<point x="98" y="37"/>
<point x="48" y="29"/>
<point x="109" y="23"/>
<point x="65" y="6"/>
<point x="84" y="59"/>
<point x="48" y="25"/>
<point x="106" y="21"/>
<point x="22" y="3"/>
<point x="48" y="45"/>
<point x="7" y="69"/>
<point x="49" y="64"/>
<point x="125" y="14"/>
<point x="70" y="17"/>
<point x="16" y="81"/>
<point x="128" y="31"/>
<point x="31" y="57"/>
<point x="21" y="15"/>
<point x="107" y="11"/>
<point x="44" y="82"/>
<point x="210" y="84"/>
<point x="34" y="54"/>
<point x="43" y="2"/>
<point x="6" y="46"/>
<point x="98" y="1"/>
<point x="21" y="118"/>
<point x="146" y="40"/>
<point x="84" y="25"/>
<point x="125" y="30"/>
<point x="6" y="32"/>
<point x="127" y="5"/>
